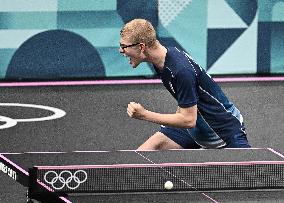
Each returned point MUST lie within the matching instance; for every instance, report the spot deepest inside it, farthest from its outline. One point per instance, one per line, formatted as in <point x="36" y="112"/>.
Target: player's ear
<point x="142" y="47"/>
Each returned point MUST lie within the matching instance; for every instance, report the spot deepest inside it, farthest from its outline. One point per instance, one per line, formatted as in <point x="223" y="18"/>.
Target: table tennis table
<point x="110" y="180"/>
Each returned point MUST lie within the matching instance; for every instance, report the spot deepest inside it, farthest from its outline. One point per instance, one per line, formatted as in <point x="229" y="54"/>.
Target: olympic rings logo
<point x="65" y="178"/>
<point x="10" y="122"/>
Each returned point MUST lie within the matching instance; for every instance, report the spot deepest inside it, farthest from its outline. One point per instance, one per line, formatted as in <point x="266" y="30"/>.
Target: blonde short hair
<point x="139" y="31"/>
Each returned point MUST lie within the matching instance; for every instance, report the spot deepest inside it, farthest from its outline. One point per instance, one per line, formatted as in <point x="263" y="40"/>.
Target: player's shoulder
<point x="174" y="52"/>
<point x="180" y="63"/>
<point x="175" y="59"/>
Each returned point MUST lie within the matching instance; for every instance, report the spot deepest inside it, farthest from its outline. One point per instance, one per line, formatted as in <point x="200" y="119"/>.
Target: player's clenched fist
<point x="135" y="110"/>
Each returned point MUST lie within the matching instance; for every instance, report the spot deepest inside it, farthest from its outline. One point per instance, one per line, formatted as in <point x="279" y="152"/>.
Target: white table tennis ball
<point x="168" y="185"/>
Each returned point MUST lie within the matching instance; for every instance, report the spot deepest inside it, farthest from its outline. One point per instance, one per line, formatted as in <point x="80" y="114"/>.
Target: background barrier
<point x="70" y="39"/>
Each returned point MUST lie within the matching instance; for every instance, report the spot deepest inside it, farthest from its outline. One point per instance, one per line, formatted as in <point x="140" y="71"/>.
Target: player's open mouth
<point x="130" y="61"/>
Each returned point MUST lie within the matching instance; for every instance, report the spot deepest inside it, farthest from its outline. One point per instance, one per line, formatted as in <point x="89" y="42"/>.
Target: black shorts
<point x="182" y="136"/>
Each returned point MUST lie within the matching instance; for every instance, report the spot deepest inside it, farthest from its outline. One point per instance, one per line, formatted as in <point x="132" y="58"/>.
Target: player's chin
<point x="134" y="62"/>
<point x="134" y="65"/>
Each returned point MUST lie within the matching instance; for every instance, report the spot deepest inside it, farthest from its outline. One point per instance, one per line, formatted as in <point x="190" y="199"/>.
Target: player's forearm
<point x="174" y="120"/>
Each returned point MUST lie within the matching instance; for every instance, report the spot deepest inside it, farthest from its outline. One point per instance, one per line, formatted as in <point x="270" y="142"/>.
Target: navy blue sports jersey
<point x="217" y="118"/>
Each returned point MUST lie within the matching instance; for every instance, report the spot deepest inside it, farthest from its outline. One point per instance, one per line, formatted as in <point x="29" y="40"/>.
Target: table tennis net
<point x="147" y="178"/>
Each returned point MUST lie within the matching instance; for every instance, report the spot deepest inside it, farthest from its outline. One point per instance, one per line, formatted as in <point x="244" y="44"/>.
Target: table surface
<point x="21" y="162"/>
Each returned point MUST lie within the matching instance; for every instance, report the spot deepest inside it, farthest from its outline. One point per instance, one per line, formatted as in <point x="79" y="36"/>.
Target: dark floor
<point x="96" y="119"/>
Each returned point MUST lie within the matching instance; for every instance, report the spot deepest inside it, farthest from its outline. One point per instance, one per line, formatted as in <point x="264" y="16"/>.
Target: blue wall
<point x="63" y="39"/>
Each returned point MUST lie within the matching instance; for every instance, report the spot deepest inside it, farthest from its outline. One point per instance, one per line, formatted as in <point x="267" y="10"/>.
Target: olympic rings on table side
<point x="59" y="181"/>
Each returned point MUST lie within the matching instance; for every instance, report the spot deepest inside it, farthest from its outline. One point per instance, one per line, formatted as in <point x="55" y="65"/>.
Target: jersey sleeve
<point x="186" y="88"/>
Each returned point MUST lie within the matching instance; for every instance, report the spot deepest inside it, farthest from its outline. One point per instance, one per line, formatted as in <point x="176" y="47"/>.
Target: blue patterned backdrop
<point x="72" y="39"/>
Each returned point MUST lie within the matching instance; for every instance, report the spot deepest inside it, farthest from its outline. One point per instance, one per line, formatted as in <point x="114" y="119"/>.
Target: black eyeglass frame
<point x="126" y="46"/>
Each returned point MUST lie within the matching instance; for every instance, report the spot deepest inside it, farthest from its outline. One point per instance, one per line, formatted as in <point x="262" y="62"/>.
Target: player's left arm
<point x="186" y="114"/>
<point x="183" y="118"/>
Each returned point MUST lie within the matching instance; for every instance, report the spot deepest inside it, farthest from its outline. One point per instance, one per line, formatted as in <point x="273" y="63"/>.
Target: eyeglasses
<point x="123" y="46"/>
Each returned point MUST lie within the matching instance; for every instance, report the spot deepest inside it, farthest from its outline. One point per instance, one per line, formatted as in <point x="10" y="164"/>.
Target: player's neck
<point x="157" y="56"/>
